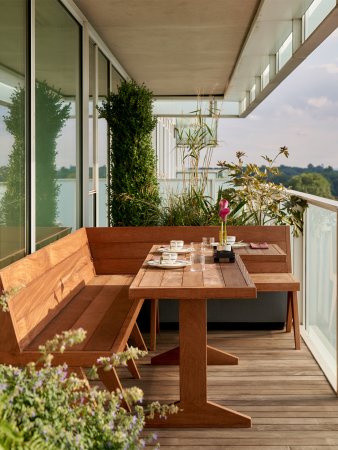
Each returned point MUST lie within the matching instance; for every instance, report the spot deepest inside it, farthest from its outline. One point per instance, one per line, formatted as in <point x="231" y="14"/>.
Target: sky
<point x="301" y="113"/>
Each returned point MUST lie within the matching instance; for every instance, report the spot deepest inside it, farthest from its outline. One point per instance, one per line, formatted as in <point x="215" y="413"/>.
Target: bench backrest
<point x="123" y="249"/>
<point x="50" y="277"/>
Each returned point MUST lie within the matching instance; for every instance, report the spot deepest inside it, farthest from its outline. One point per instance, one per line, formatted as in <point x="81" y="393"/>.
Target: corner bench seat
<point x="282" y="282"/>
<point x="123" y="250"/>
<point x="59" y="291"/>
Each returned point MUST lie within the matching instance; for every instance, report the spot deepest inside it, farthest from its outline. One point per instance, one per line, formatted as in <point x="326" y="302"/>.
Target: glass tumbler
<point x="197" y="260"/>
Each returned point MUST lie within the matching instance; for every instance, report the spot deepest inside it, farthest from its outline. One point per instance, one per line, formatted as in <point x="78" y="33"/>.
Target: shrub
<point x="50" y="408"/>
<point x="257" y="201"/>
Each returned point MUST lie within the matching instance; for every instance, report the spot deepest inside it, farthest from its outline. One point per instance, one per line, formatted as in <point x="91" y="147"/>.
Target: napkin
<point x="259" y="245"/>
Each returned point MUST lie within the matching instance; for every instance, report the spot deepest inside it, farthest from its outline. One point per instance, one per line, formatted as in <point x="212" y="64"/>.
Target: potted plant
<point x="255" y="200"/>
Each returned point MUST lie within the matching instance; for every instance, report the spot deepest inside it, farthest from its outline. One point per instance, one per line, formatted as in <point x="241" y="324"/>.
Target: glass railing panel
<point x="321" y="285"/>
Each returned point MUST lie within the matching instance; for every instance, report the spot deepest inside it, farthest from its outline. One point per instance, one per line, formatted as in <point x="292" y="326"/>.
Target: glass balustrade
<point x="320" y="305"/>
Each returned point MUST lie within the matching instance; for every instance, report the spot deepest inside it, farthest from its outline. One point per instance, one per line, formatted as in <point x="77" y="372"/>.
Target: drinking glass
<point x="197" y="260"/>
<point x="207" y="242"/>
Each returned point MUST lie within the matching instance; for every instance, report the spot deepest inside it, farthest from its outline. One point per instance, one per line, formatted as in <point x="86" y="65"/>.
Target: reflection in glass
<point x="12" y="130"/>
<point x="90" y="118"/>
<point x="57" y="115"/>
<point x="321" y="290"/>
<point x="102" y="142"/>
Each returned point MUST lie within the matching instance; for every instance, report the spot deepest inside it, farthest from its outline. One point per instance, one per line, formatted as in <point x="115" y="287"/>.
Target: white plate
<point x="178" y="250"/>
<point x="170" y="265"/>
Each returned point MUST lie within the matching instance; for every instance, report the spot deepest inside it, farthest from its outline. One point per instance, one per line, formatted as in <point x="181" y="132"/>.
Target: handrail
<point x="326" y="203"/>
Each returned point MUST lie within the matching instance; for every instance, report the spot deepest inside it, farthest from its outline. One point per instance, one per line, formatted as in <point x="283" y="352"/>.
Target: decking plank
<point x="292" y="405"/>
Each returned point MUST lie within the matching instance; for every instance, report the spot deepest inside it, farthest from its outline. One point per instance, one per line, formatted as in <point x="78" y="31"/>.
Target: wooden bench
<point x="61" y="290"/>
<point x="123" y="250"/>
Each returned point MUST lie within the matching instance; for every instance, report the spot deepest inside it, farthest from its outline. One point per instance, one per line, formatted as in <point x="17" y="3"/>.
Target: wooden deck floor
<point x="284" y="391"/>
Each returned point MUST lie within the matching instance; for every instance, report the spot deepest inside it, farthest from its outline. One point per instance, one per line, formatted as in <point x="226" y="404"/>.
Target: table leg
<point x="195" y="410"/>
<point x="215" y="357"/>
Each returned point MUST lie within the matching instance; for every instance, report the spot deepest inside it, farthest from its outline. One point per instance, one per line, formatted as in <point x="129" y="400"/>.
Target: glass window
<point x="285" y="52"/>
<point x="92" y="82"/>
<point x="12" y="130"/>
<point x="265" y="76"/>
<point x="103" y="138"/>
<point x="57" y="121"/>
<point x="316" y="13"/>
<point x="90" y="111"/>
<point x="102" y="142"/>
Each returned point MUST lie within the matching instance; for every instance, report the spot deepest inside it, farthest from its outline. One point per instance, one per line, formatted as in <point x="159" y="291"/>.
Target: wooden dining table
<point x="192" y="289"/>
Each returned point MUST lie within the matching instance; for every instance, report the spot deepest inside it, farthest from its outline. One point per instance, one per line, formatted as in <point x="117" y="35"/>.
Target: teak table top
<point x="219" y="280"/>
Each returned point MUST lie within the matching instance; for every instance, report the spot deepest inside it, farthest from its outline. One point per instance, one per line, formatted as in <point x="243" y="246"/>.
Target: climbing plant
<point x="133" y="190"/>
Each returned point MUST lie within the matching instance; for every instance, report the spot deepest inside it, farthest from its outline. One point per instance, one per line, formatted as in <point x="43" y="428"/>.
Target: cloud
<point x="292" y="111"/>
<point x="319" y="102"/>
<point x="330" y="68"/>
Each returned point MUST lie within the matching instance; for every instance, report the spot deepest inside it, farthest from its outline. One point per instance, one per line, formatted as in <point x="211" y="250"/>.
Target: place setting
<point x="169" y="256"/>
<point x="176" y="246"/>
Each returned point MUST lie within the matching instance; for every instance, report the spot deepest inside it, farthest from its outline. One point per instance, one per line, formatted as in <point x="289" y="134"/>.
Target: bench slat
<point x="275" y="282"/>
<point x="101" y="298"/>
<point x="112" y="290"/>
<point x="56" y="287"/>
<point x="113" y="330"/>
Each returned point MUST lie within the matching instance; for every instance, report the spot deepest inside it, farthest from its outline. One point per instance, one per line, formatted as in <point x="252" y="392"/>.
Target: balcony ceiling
<point x="189" y="47"/>
<point x="177" y="47"/>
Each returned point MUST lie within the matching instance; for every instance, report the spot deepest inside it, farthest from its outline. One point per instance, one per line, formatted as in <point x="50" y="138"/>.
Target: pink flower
<point x="223" y="209"/>
<point x="223" y="203"/>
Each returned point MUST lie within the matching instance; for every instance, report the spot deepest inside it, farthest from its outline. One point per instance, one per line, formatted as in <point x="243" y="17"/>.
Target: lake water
<point x="67" y="199"/>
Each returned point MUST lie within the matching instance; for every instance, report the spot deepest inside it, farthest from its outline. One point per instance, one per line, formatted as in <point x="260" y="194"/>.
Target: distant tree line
<point x="63" y="172"/>
<point x="316" y="180"/>
<point x="70" y="172"/>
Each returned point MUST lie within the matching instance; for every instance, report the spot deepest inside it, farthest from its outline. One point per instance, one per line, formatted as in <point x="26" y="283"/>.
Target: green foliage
<point x="256" y="201"/>
<point x="133" y="190"/>
<point x="6" y="296"/>
<point x="51" y="115"/>
<point x="312" y="183"/>
<point x="50" y="408"/>
<point x="287" y="172"/>
<point x="195" y="143"/>
<point x="188" y="208"/>
<point x="196" y="140"/>
<point x="3" y="174"/>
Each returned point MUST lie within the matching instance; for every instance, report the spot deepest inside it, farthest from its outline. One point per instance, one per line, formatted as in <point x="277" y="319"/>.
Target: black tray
<point x="224" y="256"/>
